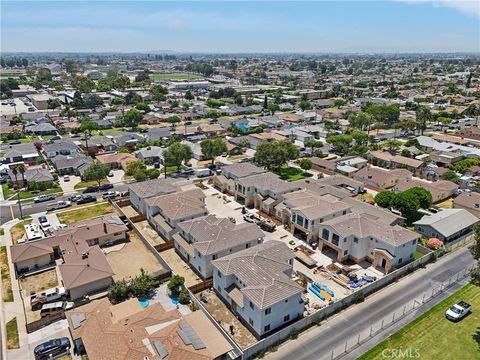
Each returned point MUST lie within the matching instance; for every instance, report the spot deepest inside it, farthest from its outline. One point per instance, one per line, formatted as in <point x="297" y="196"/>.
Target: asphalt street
<point x="318" y="342"/>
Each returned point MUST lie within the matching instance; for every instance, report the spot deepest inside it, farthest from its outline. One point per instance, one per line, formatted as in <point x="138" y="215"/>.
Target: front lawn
<point x="434" y="337"/>
<point x="85" y="184"/>
<point x="292" y="173"/>
<point x="71" y="216"/>
<point x="6" y="281"/>
<point x="172" y="169"/>
<point x="6" y="191"/>
<point x="12" y="334"/>
<point x="18" y="230"/>
<point x="32" y="194"/>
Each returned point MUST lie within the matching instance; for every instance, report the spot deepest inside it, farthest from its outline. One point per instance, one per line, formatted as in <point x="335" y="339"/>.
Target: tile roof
<point x="239" y="170"/>
<point x="263" y="269"/>
<point x="181" y="204"/>
<point x="212" y="235"/>
<point x="314" y="206"/>
<point x="364" y="225"/>
<point x="149" y="188"/>
<point x="268" y="181"/>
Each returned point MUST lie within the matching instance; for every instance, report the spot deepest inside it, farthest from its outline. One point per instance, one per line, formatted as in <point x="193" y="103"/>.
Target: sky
<point x="241" y="26"/>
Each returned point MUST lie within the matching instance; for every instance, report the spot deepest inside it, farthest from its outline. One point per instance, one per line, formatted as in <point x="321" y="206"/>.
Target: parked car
<point x="251" y="218"/>
<point x="91" y="189"/>
<point x="267" y="225"/>
<point x="44" y="223"/>
<point x="75" y="198"/>
<point x="105" y="187"/>
<point x="189" y="171"/>
<point x="66" y="178"/>
<point x="43" y="198"/>
<point x="55" y="308"/>
<point x="458" y="311"/>
<point x="131" y="181"/>
<point x="56" y="137"/>
<point x="49" y="295"/>
<point x="60" y="205"/>
<point x="86" y="199"/>
<point x="52" y="348"/>
<point x="110" y="194"/>
<point x="16" y="142"/>
<point x="3" y="179"/>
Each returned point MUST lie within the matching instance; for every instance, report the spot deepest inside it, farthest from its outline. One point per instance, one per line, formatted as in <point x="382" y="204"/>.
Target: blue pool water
<point x="175" y="300"/>
<point x="143" y="303"/>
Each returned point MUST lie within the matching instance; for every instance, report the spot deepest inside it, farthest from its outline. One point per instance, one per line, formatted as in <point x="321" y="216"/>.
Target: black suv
<point x="86" y="199"/>
<point x="52" y="348"/>
<point x="91" y="189"/>
<point x="105" y="187"/>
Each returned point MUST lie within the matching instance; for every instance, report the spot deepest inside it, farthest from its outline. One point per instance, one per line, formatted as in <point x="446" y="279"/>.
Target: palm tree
<point x="473" y="110"/>
<point x="423" y="115"/>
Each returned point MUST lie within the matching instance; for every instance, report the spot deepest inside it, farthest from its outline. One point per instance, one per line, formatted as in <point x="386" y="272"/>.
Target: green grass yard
<point x="31" y="194"/>
<point x="85" y="184"/>
<point x="12" y="334"/>
<point x="6" y="281"/>
<point x="71" y="216"/>
<point x="6" y="191"/>
<point x="174" y="76"/>
<point x="434" y="336"/>
<point x="292" y="174"/>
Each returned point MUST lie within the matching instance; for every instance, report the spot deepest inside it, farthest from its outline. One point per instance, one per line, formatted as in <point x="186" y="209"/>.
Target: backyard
<point x="435" y="337"/>
<point x="39" y="282"/>
<point x="6" y="281"/>
<point x="71" y="216"/>
<point x="174" y="76"/>
<point x="291" y="173"/>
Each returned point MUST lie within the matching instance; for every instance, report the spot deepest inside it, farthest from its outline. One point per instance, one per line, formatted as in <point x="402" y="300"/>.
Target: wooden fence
<point x="165" y="246"/>
<point x="207" y="284"/>
<point x="44" y="321"/>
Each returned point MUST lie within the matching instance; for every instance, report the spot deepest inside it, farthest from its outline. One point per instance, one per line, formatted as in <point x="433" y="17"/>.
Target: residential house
<point x="446" y="158"/>
<point x="226" y="181"/>
<point x="256" y="284"/>
<point x="440" y="190"/>
<point x="25" y="152"/>
<point x="262" y="191"/>
<point x="354" y="187"/>
<point x="361" y="237"/>
<point x="150" y="154"/>
<point x="136" y="333"/>
<point x="64" y="147"/>
<point x="469" y="201"/>
<point x="255" y="139"/>
<point x="141" y="191"/>
<point x="448" y="225"/>
<point x="471" y="132"/>
<point x="164" y="212"/>
<point x="202" y="240"/>
<point x="389" y="161"/>
<point x="100" y="143"/>
<point x="40" y="101"/>
<point x="71" y="165"/>
<point x="381" y="179"/>
<point x="43" y="128"/>
<point x="116" y="160"/>
<point x="325" y="166"/>
<point x="37" y="175"/>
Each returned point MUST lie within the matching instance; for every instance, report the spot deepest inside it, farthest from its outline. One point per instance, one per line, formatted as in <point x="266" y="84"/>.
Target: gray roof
<point x="150" y="151"/>
<point x="239" y="170"/>
<point x="268" y="181"/>
<point x="76" y="161"/>
<point x="363" y="225"/>
<point x="263" y="270"/>
<point x="23" y="149"/>
<point x="40" y="128"/>
<point x="314" y="206"/>
<point x="59" y="145"/>
<point x="448" y="221"/>
<point x="212" y="235"/>
<point x="184" y="204"/>
<point x="158" y="133"/>
<point x="156" y="187"/>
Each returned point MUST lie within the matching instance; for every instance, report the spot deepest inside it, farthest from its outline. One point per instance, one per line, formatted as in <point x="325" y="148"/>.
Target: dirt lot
<point x="242" y="336"/>
<point x="150" y="234"/>
<point x="131" y="257"/>
<point x="39" y="282"/>
<point x="180" y="267"/>
<point x="129" y="211"/>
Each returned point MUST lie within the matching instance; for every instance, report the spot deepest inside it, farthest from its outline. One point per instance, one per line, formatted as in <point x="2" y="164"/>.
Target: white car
<point x="110" y="194"/>
<point x="66" y="178"/>
<point x="251" y="218"/>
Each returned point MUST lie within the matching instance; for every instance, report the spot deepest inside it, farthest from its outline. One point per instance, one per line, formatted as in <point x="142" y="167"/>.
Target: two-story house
<point x="361" y="236"/>
<point x="60" y="147"/>
<point x="200" y="241"/>
<point x="226" y="181"/>
<point x="166" y="211"/>
<point x="262" y="191"/>
<point x="141" y="191"/>
<point x="256" y="284"/>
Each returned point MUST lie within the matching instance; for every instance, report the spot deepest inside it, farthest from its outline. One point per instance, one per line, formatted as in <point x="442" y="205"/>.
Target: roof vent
<point x="85" y="255"/>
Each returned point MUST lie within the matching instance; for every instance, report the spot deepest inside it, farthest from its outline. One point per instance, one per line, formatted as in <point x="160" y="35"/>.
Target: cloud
<point x="468" y="7"/>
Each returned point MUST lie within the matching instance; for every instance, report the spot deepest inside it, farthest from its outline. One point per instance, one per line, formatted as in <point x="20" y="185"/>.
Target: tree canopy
<point x="211" y="148"/>
<point x="273" y="155"/>
<point x="177" y="153"/>
<point x="96" y="172"/>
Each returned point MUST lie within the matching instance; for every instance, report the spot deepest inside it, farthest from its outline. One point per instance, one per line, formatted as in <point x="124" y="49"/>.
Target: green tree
<point x="211" y="148"/>
<point x="475" y="248"/>
<point x="473" y="110"/>
<point x="305" y="164"/>
<point x="134" y="166"/>
<point x="189" y="95"/>
<point x="385" y="114"/>
<point x="423" y="116"/>
<point x="82" y="84"/>
<point x="44" y="75"/>
<point x="212" y="114"/>
<point x="305" y="105"/>
<point x="132" y="118"/>
<point x="273" y="155"/>
<point x="341" y="143"/>
<point x="384" y="198"/>
<point x="451" y="175"/>
<point x="175" y="284"/>
<point x="392" y="145"/>
<point x="424" y="196"/>
<point x="177" y="153"/>
<point x="143" y="107"/>
<point x="96" y="172"/>
<point x="273" y="108"/>
<point x="158" y="92"/>
<point x="173" y="119"/>
<point x="408" y="204"/>
<point x="313" y="144"/>
<point x="121" y="83"/>
<point x="53" y="104"/>
<point x="91" y="101"/>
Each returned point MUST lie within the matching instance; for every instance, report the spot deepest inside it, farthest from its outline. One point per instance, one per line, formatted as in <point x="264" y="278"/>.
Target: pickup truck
<point x="49" y="295"/>
<point x="59" y="205"/>
<point x="43" y="198"/>
<point x="458" y="311"/>
<point x="251" y="218"/>
<point x="110" y="195"/>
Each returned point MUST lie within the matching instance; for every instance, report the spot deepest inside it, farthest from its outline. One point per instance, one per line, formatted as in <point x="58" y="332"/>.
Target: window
<point x="250" y="321"/>
<point x="400" y="260"/>
<point x="215" y="256"/>
<point x="344" y="212"/>
<point x="306" y="224"/>
<point x="345" y="252"/>
<point x="219" y="274"/>
<point x="355" y="240"/>
<point x="286" y="301"/>
<point x="345" y="240"/>
<point x="116" y="234"/>
<point x="300" y="220"/>
<point x="268" y="311"/>
<point x="325" y="234"/>
<point x="247" y="245"/>
<point x="251" y="305"/>
<point x="286" y="318"/>
<point x="266" y="328"/>
<point x="335" y="239"/>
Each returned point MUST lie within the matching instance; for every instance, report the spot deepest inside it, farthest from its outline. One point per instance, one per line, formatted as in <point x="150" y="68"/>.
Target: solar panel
<point x="189" y="336"/>
<point x="77" y="320"/>
<point x="160" y="349"/>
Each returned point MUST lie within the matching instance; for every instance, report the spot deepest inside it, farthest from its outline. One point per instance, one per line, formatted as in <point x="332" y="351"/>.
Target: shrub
<point x="175" y="283"/>
<point x="184" y="298"/>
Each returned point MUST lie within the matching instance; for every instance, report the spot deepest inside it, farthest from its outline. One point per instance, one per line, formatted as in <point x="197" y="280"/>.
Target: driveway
<point x="68" y="186"/>
<point x="117" y="176"/>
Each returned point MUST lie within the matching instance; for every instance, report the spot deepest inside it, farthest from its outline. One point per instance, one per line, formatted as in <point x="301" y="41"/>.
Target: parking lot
<point x="18" y="109"/>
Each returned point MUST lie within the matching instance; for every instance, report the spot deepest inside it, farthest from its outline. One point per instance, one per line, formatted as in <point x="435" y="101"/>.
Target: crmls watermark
<point x="401" y="353"/>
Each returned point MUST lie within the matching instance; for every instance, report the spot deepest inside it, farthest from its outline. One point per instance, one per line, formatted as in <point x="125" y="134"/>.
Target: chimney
<point x="105" y="228"/>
